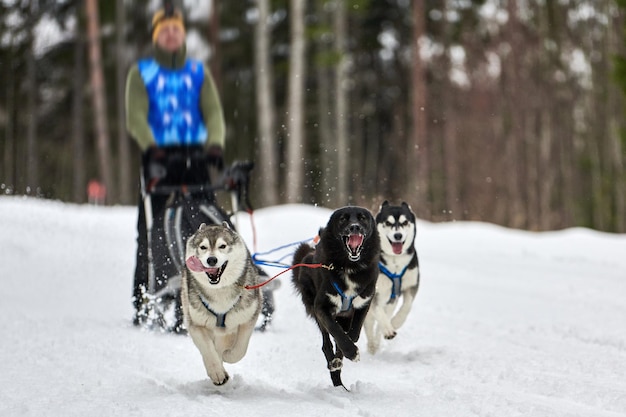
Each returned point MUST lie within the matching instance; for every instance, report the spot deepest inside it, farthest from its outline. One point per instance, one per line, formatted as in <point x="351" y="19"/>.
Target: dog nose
<point x="397" y="236"/>
<point x="212" y="261"/>
<point x="355" y="228"/>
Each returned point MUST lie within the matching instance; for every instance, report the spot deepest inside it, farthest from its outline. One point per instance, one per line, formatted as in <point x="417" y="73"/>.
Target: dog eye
<point x="404" y="223"/>
<point x="203" y="247"/>
<point x="388" y="223"/>
<point x="222" y="246"/>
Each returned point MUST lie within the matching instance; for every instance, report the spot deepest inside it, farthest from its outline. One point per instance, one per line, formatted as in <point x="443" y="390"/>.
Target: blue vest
<point x="174" y="102"/>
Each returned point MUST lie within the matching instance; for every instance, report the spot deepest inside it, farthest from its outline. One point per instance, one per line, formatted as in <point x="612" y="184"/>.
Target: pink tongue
<point x="195" y="265"/>
<point x="397" y="247"/>
<point x="354" y="241"/>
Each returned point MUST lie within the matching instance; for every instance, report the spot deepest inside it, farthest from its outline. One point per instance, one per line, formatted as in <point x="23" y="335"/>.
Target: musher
<point x="173" y="110"/>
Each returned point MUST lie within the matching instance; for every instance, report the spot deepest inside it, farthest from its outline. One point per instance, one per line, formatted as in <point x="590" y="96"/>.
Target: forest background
<point x="510" y="112"/>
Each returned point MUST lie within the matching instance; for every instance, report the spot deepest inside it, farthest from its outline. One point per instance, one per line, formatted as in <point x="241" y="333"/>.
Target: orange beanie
<point x="159" y="19"/>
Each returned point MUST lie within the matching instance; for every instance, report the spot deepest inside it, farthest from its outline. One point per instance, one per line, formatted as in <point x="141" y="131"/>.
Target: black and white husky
<point x="220" y="312"/>
<point x="337" y="293"/>
<point x="399" y="274"/>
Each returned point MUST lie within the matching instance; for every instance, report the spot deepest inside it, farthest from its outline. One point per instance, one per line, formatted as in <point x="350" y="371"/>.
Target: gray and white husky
<point x="220" y="313"/>
<point x="399" y="274"/>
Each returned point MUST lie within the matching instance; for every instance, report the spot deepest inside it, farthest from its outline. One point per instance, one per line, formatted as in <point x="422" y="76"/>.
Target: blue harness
<point x="346" y="302"/>
<point x="220" y="318"/>
<point x="396" y="280"/>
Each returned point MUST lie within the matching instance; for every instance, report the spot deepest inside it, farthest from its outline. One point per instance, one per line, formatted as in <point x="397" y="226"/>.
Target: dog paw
<point x="220" y="378"/>
<point x="356" y="357"/>
<point x="352" y="353"/>
<point x="372" y="348"/>
<point x="390" y="335"/>
<point x="335" y="364"/>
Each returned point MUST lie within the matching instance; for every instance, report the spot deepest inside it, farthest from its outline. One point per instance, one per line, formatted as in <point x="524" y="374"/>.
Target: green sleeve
<point x="137" y="110"/>
<point x="212" y="111"/>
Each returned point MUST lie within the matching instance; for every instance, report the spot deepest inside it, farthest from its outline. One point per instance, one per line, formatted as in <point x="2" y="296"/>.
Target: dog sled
<point x="178" y="196"/>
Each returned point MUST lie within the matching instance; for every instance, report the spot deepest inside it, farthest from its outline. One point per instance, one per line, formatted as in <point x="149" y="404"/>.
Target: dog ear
<point x="202" y="227"/>
<point x="385" y="204"/>
<point x="226" y="225"/>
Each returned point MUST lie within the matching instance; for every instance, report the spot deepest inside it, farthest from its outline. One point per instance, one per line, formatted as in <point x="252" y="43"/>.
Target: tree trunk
<point x="266" y="111"/>
<point x="327" y="145"/>
<point x="32" y="171"/>
<point x="341" y="103"/>
<point x="295" y="106"/>
<point x="616" y="110"/>
<point x="451" y="164"/>
<point x="98" y="97"/>
<point x="450" y="154"/>
<point x="417" y="159"/>
<point x="78" y="128"/>
<point x="513" y="119"/>
<point x="596" y="185"/>
<point x="533" y="183"/>
<point x="546" y="171"/>
<point x="567" y="190"/>
<point x="9" y="128"/>
<point x="215" y="61"/>
<point x="126" y="196"/>
<point x="618" y="184"/>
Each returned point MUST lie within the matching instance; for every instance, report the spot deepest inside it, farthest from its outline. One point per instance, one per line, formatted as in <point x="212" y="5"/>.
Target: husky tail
<point x="301" y="252"/>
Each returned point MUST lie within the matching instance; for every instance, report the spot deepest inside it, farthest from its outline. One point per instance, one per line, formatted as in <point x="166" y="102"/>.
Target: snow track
<point x="506" y="323"/>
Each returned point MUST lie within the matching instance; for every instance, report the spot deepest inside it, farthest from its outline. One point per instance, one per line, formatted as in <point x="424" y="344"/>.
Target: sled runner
<point x="178" y="196"/>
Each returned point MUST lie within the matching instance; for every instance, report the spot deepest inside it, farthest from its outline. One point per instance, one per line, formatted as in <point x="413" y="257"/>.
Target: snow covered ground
<point x="506" y="323"/>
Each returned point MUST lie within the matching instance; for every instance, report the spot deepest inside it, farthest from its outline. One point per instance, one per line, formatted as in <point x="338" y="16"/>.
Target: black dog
<point x="338" y="294"/>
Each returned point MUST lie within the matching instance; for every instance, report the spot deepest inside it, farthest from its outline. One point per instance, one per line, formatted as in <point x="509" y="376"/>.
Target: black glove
<point x="215" y="156"/>
<point x="155" y="163"/>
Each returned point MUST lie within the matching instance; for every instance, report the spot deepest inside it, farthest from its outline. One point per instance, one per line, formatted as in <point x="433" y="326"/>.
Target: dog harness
<point x="396" y="280"/>
<point x="346" y="302"/>
<point x="174" y="96"/>
<point x="220" y="318"/>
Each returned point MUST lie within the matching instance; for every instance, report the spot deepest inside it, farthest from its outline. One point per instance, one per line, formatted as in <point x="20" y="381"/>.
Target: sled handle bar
<point x="235" y="178"/>
<point x="185" y="189"/>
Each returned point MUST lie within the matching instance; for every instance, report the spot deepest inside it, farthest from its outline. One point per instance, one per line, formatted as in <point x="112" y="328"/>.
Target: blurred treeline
<point x="509" y="111"/>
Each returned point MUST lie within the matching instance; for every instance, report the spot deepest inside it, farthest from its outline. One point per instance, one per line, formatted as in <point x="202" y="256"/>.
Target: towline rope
<point x="279" y="262"/>
<point x="313" y="266"/>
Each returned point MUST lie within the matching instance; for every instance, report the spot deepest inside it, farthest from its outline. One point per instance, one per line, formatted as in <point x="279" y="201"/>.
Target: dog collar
<point x="346" y="302"/>
<point x="220" y="318"/>
<point x="396" y="280"/>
